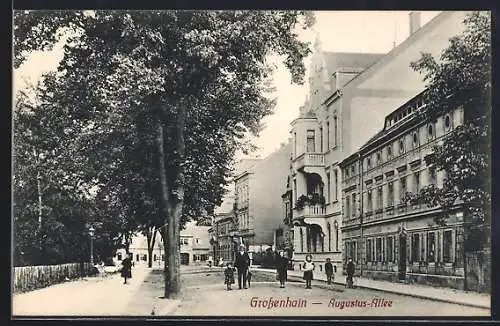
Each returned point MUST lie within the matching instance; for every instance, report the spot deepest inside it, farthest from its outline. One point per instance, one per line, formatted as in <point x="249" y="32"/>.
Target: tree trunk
<point x="172" y="203"/>
<point x="151" y="235"/>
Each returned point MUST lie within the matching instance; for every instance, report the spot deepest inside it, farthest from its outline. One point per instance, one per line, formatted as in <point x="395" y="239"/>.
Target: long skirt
<point x="282" y="275"/>
<point x="126" y="272"/>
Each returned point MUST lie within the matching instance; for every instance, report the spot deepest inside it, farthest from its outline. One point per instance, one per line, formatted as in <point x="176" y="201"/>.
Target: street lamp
<point x="91" y="233"/>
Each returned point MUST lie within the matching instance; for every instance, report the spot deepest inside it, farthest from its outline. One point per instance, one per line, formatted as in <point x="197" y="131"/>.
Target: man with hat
<point x="242" y="261"/>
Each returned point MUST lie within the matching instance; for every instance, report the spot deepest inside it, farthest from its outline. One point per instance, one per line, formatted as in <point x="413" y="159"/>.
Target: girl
<point x="308" y="267"/>
<point x="229" y="276"/>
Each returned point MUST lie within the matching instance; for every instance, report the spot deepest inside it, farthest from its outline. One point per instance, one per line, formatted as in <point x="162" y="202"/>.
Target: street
<point x="204" y="294"/>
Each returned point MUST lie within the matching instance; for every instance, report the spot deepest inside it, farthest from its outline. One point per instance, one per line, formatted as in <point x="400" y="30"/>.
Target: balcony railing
<point x="310" y="159"/>
<point x="311" y="210"/>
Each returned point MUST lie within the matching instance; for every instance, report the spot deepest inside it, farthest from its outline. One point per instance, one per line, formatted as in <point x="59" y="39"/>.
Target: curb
<point x="418" y="296"/>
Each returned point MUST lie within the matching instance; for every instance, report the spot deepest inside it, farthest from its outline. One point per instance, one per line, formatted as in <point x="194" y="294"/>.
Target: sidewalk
<point x="473" y="299"/>
<point x="92" y="296"/>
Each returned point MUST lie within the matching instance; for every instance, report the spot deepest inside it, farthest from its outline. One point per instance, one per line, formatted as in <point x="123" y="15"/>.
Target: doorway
<point x="402" y="257"/>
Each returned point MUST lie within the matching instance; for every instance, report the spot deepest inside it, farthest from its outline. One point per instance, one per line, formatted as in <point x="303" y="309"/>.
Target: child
<point x="229" y="276"/>
<point x="329" y="271"/>
<point x="308" y="270"/>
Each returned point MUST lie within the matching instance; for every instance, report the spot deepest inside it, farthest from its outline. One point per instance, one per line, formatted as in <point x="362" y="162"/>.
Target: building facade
<point x="258" y="206"/>
<point x="195" y="244"/>
<point x="222" y="235"/>
<point x="386" y="234"/>
<point x="350" y="96"/>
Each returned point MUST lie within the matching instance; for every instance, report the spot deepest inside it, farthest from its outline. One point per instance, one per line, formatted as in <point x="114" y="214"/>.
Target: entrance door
<point x="402" y="257"/>
<point x="184" y="259"/>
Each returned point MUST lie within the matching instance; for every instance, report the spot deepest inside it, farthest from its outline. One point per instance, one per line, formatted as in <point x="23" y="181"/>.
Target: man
<point x="350" y="273"/>
<point x="242" y="261"/>
<point x="329" y="271"/>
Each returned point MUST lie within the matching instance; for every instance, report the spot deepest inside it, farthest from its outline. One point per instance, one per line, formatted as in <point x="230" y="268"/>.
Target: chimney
<point x="414" y="21"/>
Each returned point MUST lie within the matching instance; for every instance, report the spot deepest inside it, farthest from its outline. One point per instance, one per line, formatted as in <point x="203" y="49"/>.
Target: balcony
<point x="309" y="160"/>
<point x="316" y="210"/>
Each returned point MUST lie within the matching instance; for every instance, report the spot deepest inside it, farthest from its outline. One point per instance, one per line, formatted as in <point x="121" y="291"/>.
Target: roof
<point x="337" y="60"/>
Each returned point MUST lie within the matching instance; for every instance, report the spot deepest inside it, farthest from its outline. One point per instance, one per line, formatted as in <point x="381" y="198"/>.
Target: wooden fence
<point x="29" y="278"/>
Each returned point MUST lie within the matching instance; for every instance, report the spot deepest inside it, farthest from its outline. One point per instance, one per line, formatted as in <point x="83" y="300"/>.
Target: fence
<point x="29" y="278"/>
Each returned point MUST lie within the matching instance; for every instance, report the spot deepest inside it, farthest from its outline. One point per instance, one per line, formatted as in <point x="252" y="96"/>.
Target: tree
<point x="197" y="79"/>
<point x="462" y="78"/>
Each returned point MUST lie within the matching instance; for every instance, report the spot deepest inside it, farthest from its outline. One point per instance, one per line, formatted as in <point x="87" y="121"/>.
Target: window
<point x="390" y="194"/>
<point x="347" y="206"/>
<point x="310" y="141"/>
<point x="347" y="172"/>
<point x="119" y="256"/>
<point x="417" y="181"/>
<point x="369" y="199"/>
<point x="379" y="157"/>
<point x="380" y="200"/>
<point x="144" y="257"/>
<point x="432" y="175"/>
<point x="431" y="245"/>
<point x="327" y="135"/>
<point x="328" y="186"/>
<point x="295" y="143"/>
<point x="335" y="132"/>
<point x="295" y="189"/>
<point x="369" y="250"/>
<point x="389" y="152"/>
<point x="329" y="229"/>
<point x="352" y="170"/>
<point x="154" y="257"/>
<point x="137" y="257"/>
<point x="430" y="131"/>
<point x="197" y="240"/>
<point x="447" y="123"/>
<point x="415" y="247"/>
<point x="336" y="185"/>
<point x="368" y="162"/>
<point x="401" y="146"/>
<point x="162" y="257"/>
<point x="336" y="236"/>
<point x="321" y="139"/>
<point x="353" y="205"/>
<point x="403" y="187"/>
<point x="390" y="248"/>
<point x="447" y="247"/>
<point x="379" y="249"/>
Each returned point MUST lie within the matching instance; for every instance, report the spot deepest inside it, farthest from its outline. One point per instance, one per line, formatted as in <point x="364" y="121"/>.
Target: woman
<point x="126" y="269"/>
<point x="281" y="268"/>
<point x="308" y="267"/>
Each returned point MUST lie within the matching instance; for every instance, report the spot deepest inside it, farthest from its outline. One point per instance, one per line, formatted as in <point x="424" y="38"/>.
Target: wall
<point x="267" y="184"/>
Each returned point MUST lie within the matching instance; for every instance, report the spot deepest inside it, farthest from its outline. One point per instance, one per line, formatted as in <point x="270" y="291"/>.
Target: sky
<point x="342" y="31"/>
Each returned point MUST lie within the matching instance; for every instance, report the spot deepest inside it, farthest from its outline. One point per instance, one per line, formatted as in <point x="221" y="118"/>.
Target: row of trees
<point x="147" y="108"/>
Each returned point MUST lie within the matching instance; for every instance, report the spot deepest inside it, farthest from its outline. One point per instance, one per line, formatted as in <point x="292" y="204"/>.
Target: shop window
<point x="415" y="247"/>
<point x="431" y="247"/>
<point x="447" y="246"/>
<point x="390" y="249"/>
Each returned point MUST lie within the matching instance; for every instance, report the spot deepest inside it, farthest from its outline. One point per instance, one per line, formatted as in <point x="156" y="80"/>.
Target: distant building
<point x="139" y="251"/>
<point x="258" y="206"/>
<point x="195" y="244"/>
<point x="222" y="237"/>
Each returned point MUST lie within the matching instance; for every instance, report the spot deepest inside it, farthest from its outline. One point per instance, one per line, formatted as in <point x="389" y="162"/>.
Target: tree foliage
<point x="165" y="99"/>
<point x="462" y="78"/>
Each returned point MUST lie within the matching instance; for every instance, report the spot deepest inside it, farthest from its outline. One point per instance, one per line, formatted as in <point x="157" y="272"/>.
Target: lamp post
<point x="91" y="233"/>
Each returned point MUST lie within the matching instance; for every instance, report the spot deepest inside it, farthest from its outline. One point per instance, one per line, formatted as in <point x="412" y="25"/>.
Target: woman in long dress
<point x="126" y="269"/>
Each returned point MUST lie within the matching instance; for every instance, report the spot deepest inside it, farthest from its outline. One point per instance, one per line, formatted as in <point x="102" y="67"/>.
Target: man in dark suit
<point x="242" y="261"/>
